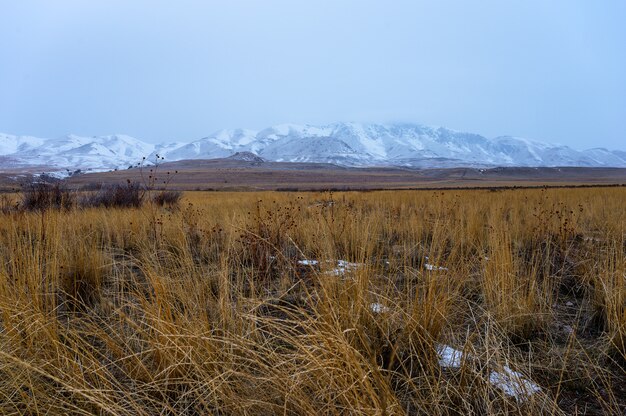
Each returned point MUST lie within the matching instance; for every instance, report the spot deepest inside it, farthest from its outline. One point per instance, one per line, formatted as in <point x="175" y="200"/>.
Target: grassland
<point x="390" y="302"/>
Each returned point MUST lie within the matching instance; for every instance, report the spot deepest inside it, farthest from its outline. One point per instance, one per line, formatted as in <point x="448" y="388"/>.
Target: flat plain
<point x="239" y="175"/>
<point x="225" y="174"/>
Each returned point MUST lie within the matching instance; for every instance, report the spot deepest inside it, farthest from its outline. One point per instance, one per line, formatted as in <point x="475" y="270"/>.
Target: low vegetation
<point x="390" y="302"/>
<point x="43" y="196"/>
<point x="128" y="195"/>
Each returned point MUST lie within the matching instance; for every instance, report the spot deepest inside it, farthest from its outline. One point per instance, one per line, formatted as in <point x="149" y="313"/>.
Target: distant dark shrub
<point x="39" y="196"/>
<point x="130" y="195"/>
<point x="167" y="198"/>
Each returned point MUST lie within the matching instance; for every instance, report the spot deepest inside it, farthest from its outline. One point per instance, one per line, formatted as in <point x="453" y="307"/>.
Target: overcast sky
<point x="178" y="70"/>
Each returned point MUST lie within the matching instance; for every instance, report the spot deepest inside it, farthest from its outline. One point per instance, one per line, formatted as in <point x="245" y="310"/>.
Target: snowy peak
<point x="350" y="144"/>
<point x="10" y="144"/>
<point x="73" y="151"/>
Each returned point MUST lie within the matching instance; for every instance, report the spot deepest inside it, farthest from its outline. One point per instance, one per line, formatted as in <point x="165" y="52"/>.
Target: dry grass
<point x="209" y="309"/>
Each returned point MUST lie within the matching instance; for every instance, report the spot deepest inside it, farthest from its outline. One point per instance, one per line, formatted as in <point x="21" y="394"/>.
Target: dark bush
<point x="130" y="195"/>
<point x="39" y="196"/>
<point x="167" y="198"/>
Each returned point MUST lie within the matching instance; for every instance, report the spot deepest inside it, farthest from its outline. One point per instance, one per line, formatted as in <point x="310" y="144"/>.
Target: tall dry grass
<point x="210" y="308"/>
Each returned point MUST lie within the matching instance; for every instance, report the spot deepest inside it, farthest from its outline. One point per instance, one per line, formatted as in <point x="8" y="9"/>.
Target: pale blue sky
<point x="178" y="70"/>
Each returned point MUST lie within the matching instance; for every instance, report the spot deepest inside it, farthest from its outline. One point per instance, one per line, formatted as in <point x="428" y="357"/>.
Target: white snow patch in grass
<point x="378" y="308"/>
<point x="449" y="357"/>
<point x="344" y="266"/>
<point x="347" y="265"/>
<point x="513" y="383"/>
<point x="431" y="267"/>
<point x="308" y="262"/>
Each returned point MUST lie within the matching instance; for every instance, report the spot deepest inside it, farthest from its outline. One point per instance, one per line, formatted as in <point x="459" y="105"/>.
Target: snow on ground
<point x="308" y="262"/>
<point x="379" y="308"/>
<point x="341" y="266"/>
<point x="449" y="357"/>
<point x="432" y="267"/>
<point x="511" y="382"/>
<point x="61" y="174"/>
<point x="344" y="266"/>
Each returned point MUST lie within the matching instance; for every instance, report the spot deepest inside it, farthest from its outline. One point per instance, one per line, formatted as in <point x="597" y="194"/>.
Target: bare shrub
<point x="167" y="198"/>
<point x="130" y="195"/>
<point x="40" y="196"/>
<point x="267" y="239"/>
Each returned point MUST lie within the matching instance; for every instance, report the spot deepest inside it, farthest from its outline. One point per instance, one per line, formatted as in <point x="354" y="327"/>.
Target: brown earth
<point x="224" y="174"/>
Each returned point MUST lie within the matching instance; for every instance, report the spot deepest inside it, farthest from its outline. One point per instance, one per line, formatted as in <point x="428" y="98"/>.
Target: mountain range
<point x="347" y="144"/>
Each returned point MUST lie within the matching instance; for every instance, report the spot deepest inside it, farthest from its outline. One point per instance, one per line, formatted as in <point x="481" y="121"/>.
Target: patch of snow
<point x="513" y="383"/>
<point x="345" y="266"/>
<point x="379" y="308"/>
<point x="449" y="357"/>
<point x="61" y="174"/>
<point x="432" y="267"/>
<point x="341" y="266"/>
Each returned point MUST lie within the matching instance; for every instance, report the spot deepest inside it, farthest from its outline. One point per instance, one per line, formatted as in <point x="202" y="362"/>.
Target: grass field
<point x="387" y="302"/>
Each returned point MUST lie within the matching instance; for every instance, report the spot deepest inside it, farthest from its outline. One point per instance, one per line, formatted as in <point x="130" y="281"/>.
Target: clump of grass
<point x="8" y="204"/>
<point x="515" y="297"/>
<point x="266" y="238"/>
<point x="610" y="298"/>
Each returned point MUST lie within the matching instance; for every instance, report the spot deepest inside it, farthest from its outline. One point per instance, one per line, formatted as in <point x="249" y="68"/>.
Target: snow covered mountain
<point x="72" y="152"/>
<point x="349" y="144"/>
<point x="410" y="145"/>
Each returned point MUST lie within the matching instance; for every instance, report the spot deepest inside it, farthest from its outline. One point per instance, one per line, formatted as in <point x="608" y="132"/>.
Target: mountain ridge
<point x="346" y="144"/>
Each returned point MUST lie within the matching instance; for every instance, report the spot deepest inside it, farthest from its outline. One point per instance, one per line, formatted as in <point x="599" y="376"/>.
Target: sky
<point x="163" y="70"/>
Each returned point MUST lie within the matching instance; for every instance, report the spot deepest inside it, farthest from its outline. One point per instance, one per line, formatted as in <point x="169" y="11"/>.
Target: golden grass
<point x="207" y="309"/>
